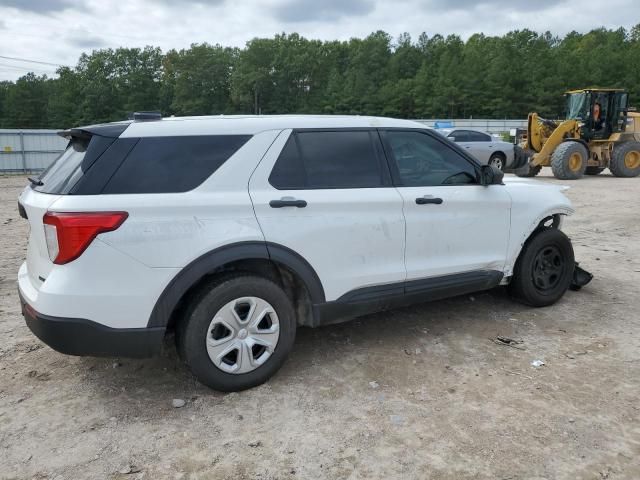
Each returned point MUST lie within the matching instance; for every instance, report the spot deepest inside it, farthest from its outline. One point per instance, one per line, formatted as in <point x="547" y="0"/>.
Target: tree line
<point x="431" y="77"/>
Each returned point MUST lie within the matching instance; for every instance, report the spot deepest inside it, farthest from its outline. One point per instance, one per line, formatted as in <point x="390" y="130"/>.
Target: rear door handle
<point x="427" y="199"/>
<point x="288" y="202"/>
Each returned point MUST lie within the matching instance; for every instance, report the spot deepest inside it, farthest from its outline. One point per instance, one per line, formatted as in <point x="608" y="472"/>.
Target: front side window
<point x="478" y="137"/>
<point x="329" y="159"/>
<point x="459" y="136"/>
<point x="578" y="105"/>
<point x="423" y="160"/>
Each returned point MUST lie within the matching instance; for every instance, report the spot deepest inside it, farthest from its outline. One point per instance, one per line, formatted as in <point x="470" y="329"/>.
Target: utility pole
<point x="23" y="153"/>
<point x="255" y="99"/>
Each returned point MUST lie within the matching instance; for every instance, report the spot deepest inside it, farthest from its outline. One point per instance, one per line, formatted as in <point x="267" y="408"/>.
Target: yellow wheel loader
<point x="600" y="132"/>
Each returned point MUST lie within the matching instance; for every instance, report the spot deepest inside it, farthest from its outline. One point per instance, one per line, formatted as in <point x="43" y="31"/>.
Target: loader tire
<point x="528" y="171"/>
<point x="625" y="160"/>
<point x="594" y="170"/>
<point x="569" y="161"/>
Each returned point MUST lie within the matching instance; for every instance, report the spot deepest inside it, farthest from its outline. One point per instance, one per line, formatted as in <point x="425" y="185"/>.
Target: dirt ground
<point x="416" y="393"/>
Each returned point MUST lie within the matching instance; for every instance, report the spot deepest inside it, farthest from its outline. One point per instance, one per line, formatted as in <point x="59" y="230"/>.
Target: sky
<point x="56" y="32"/>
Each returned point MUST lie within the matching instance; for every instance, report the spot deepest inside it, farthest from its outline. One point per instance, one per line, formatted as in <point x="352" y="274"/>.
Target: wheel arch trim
<point x="207" y="263"/>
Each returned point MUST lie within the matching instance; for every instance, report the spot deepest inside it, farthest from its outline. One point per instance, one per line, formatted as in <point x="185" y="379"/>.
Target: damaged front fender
<point x="580" y="278"/>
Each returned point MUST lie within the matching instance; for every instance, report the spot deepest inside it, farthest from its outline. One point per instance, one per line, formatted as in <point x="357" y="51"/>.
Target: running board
<point x="377" y="298"/>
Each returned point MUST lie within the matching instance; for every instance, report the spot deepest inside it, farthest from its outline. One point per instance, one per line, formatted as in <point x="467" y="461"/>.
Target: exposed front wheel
<point x="544" y="269"/>
<point x="237" y="332"/>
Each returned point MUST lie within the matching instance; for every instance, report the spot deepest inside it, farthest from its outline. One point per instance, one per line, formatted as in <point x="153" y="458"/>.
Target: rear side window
<point x="172" y="164"/>
<point x="330" y="159"/>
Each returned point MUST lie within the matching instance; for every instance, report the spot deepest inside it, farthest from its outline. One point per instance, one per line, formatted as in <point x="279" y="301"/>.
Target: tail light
<point x="69" y="234"/>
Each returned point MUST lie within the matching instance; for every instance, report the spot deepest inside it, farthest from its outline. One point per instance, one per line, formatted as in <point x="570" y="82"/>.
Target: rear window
<point x="68" y="168"/>
<point x="172" y="164"/>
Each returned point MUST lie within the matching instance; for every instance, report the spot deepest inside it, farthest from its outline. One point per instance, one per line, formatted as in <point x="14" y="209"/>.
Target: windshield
<point x="578" y="106"/>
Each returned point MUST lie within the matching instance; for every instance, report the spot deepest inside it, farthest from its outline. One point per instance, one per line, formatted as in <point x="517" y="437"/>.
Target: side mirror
<point x="490" y="175"/>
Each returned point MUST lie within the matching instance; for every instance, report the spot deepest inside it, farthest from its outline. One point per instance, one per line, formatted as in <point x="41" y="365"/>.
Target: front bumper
<point x="76" y="336"/>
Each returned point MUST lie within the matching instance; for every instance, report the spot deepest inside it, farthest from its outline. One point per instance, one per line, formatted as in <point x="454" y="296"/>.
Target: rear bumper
<point x="76" y="336"/>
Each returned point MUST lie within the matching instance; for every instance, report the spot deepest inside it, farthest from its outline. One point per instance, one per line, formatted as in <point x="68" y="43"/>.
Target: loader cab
<point x="601" y="112"/>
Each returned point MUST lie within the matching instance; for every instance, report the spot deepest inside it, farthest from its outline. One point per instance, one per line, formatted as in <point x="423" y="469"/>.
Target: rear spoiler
<point x="74" y="133"/>
<point x="110" y="130"/>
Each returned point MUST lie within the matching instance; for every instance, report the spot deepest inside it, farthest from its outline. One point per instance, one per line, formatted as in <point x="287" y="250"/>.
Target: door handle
<point x="427" y="199"/>
<point x="288" y="202"/>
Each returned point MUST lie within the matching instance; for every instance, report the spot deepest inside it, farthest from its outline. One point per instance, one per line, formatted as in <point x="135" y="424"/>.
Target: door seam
<point x="253" y="206"/>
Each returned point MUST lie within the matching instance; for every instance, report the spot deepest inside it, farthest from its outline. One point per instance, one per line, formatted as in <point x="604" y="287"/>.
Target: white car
<point x="234" y="231"/>
<point x="485" y="147"/>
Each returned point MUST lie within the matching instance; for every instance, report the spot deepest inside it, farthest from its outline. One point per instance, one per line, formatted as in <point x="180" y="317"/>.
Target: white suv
<point x="233" y="231"/>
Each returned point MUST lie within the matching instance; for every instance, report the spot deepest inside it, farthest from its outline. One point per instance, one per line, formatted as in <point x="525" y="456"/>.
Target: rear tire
<point x="249" y="317"/>
<point x="569" y="161"/>
<point x="498" y="160"/>
<point x="544" y="269"/>
<point x="625" y="160"/>
<point x="593" y="170"/>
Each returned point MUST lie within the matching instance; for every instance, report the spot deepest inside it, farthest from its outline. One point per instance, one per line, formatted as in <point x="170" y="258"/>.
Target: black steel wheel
<point x="544" y="269"/>
<point x="548" y="265"/>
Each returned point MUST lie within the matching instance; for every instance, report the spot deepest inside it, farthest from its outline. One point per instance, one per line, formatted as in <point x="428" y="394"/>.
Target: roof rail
<point x="145" y="116"/>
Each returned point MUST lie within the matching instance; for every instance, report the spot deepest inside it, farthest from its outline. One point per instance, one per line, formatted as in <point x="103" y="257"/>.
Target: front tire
<point x="569" y="161"/>
<point x="237" y="332"/>
<point x="544" y="270"/>
<point x="625" y="160"/>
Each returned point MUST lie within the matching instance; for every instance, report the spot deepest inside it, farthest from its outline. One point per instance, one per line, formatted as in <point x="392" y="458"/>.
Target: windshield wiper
<point x="36" y="182"/>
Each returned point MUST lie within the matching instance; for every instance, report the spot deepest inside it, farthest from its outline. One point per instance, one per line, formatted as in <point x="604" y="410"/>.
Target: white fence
<point x="26" y="151"/>
<point x="491" y="126"/>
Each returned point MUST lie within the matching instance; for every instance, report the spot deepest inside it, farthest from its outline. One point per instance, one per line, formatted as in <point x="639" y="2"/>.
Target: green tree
<point x="25" y="103"/>
<point x="366" y="73"/>
<point x="199" y="79"/>
<point x="64" y="102"/>
<point x="434" y="77"/>
<point x="252" y="82"/>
